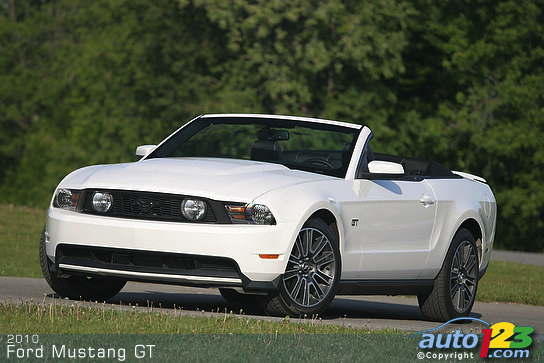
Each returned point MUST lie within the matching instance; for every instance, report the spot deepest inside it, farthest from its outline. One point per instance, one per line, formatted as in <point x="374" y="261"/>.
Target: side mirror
<point x="144" y="150"/>
<point x="385" y="167"/>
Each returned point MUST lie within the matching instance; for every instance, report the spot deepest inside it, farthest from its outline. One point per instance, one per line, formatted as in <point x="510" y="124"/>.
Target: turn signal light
<point x="269" y="256"/>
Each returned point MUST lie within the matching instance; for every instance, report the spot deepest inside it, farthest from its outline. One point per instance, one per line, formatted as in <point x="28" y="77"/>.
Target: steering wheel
<point x="321" y="162"/>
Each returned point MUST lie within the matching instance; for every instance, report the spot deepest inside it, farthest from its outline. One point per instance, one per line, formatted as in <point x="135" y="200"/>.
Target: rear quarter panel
<point x="460" y="200"/>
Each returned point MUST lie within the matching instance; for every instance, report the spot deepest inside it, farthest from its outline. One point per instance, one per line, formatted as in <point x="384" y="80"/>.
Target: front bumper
<point x="221" y="255"/>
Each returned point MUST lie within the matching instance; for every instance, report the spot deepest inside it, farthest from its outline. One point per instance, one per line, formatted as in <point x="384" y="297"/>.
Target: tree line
<point x="461" y="82"/>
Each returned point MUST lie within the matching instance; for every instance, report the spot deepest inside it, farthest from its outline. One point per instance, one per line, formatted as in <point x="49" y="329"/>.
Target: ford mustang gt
<point x="288" y="211"/>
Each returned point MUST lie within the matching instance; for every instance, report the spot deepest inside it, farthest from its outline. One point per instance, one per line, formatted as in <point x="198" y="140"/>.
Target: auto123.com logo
<point x="501" y="340"/>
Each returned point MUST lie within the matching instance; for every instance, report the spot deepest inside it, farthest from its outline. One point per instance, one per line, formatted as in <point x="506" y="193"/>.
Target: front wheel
<point x="311" y="278"/>
<point x="77" y="287"/>
<point x="455" y="286"/>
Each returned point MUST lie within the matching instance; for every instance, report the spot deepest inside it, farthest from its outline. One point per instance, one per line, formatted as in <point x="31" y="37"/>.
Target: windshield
<point x="308" y="146"/>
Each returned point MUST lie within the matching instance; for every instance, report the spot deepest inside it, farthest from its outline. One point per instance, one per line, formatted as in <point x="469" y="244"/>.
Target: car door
<point x="388" y="218"/>
<point x="396" y="220"/>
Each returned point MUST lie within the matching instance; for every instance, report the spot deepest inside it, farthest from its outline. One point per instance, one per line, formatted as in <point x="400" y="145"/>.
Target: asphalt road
<point x="371" y="312"/>
<point x="519" y="257"/>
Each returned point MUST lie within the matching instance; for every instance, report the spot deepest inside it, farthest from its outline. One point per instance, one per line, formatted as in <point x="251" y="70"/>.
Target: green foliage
<point x="491" y="60"/>
<point x="459" y="82"/>
<point x="299" y="57"/>
<point x="86" y="82"/>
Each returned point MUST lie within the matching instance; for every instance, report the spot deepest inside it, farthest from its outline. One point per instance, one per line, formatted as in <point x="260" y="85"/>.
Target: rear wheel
<point x="311" y="278"/>
<point x="77" y="287"/>
<point x="455" y="286"/>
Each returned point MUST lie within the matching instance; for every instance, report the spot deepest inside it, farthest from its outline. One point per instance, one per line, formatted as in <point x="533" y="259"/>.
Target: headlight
<point x="250" y="213"/>
<point x="260" y="214"/>
<point x="193" y="209"/>
<point x="102" y="202"/>
<point x="66" y="199"/>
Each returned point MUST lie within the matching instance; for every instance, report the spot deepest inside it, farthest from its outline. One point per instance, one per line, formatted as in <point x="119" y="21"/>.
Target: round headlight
<point x="261" y="214"/>
<point x="193" y="209"/>
<point x="102" y="202"/>
<point x="64" y="198"/>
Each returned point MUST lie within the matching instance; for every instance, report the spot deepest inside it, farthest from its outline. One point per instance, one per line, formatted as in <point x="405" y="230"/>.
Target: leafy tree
<point x="478" y="86"/>
<point x="85" y="82"/>
<point x="325" y="58"/>
<point x="457" y="81"/>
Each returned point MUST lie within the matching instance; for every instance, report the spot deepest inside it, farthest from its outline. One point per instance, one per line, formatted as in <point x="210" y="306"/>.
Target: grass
<point x="268" y="346"/>
<point x="172" y="337"/>
<point x="513" y="283"/>
<point x="60" y="317"/>
<point x="20" y="229"/>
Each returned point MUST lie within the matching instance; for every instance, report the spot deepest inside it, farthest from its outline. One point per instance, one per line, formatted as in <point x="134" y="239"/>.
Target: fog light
<point x="193" y="209"/>
<point x="102" y="202"/>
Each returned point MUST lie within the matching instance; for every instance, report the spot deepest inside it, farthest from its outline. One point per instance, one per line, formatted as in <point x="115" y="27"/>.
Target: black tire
<point x="456" y="284"/>
<point x="235" y="297"/>
<point x="77" y="287"/>
<point x="310" y="281"/>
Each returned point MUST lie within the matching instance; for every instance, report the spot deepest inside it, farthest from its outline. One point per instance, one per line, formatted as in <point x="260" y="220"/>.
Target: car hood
<point x="219" y="179"/>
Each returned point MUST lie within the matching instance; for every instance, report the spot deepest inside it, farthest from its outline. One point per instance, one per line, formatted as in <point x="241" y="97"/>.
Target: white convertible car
<point x="289" y="211"/>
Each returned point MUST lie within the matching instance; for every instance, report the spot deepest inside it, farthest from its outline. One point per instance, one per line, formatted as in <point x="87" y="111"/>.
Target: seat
<point x="266" y="150"/>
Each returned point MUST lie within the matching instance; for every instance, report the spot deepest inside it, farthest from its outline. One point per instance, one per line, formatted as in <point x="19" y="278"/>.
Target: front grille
<point x="153" y="206"/>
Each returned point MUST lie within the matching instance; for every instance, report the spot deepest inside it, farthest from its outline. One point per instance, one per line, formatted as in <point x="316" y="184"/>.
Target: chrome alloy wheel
<point x="310" y="272"/>
<point x="463" y="276"/>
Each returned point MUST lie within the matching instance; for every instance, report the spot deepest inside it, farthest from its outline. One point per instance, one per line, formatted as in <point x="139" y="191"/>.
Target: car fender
<point x="303" y="200"/>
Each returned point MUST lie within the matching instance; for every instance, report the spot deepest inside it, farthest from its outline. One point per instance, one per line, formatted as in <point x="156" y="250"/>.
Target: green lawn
<point x="64" y="318"/>
<point x="512" y="282"/>
<point x="233" y="348"/>
<point x="20" y="229"/>
<point x="178" y="337"/>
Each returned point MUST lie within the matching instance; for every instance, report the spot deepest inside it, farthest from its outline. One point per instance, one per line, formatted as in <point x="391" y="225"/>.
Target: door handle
<point x="426" y="200"/>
